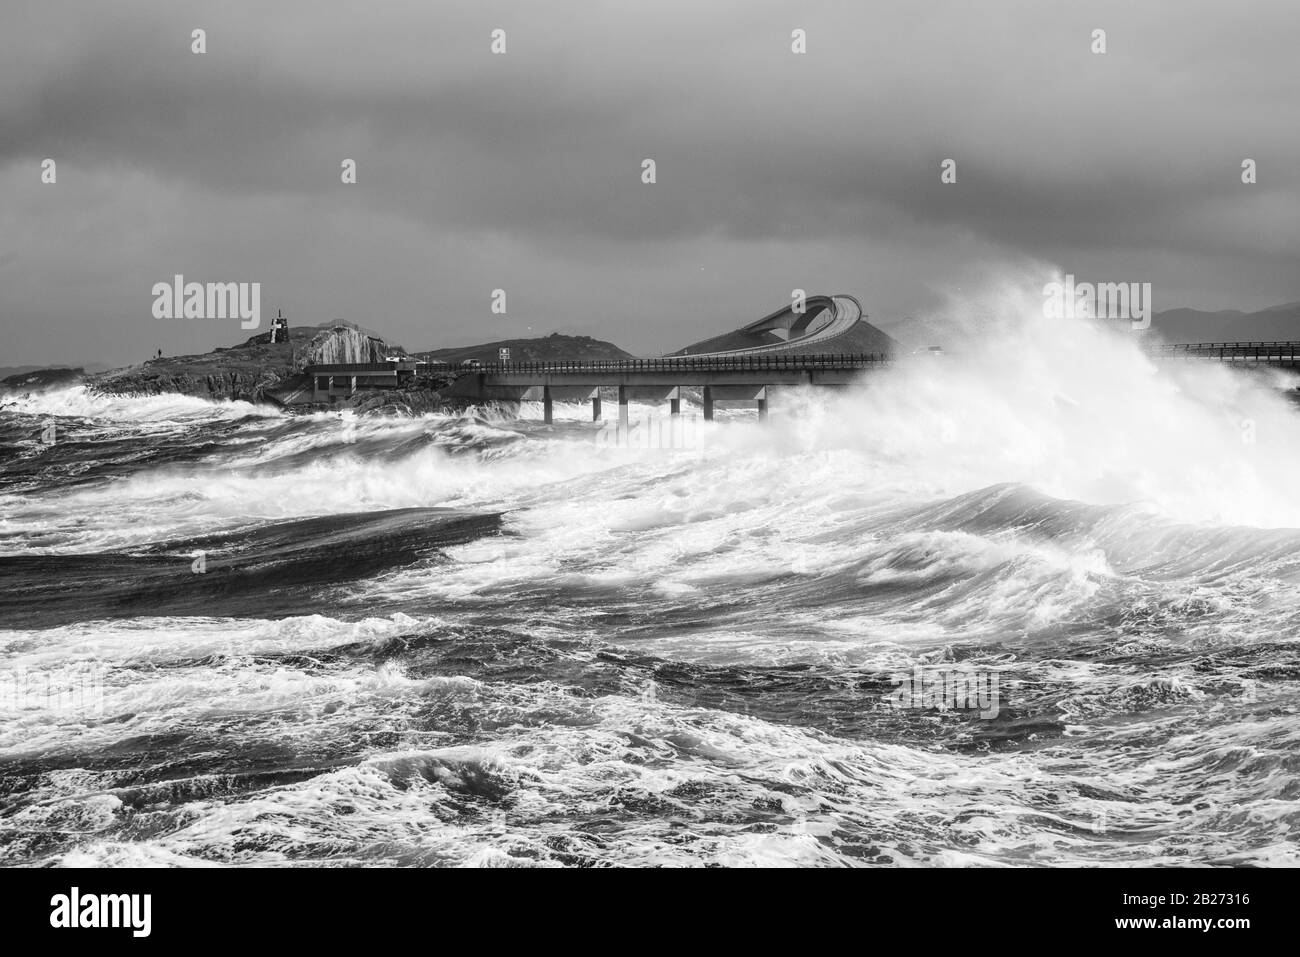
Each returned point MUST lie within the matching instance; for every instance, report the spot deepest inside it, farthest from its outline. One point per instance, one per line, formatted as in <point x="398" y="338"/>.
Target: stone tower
<point x="279" y="328"/>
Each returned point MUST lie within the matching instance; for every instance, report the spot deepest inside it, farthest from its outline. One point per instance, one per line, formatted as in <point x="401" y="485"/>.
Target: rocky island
<point x="270" y="368"/>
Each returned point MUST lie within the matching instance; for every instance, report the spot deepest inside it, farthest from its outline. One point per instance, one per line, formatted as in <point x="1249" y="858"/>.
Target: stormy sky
<point x="523" y="171"/>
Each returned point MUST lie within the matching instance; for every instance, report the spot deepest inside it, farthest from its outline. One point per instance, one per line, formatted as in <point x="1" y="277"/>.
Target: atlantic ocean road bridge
<point x="746" y="378"/>
<point x="721" y="378"/>
<point x="736" y="376"/>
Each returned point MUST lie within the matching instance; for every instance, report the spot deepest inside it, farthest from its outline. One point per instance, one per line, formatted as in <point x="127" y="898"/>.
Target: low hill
<point x="552" y="348"/>
<point x="41" y="378"/>
<point x="9" y="371"/>
<point x="1278" y="323"/>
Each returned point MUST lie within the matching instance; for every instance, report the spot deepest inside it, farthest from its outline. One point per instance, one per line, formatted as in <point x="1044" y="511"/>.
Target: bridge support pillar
<point x="675" y="406"/>
<point x="595" y="407"/>
<point x="762" y="409"/>
<point x="622" y="414"/>
<point x="708" y="403"/>
<point x="548" y="405"/>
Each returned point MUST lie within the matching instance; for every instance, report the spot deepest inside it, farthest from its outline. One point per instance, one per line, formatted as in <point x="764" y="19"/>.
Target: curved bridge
<point x="823" y="319"/>
<point x="745" y="375"/>
<point x="742" y="375"/>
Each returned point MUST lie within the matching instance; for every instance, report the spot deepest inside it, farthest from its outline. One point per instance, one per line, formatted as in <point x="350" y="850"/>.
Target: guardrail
<point x="1223" y="350"/>
<point x="717" y="363"/>
<point x="354" y="368"/>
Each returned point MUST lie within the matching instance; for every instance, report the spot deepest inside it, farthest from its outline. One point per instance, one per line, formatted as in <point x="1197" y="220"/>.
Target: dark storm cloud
<point x="523" y="170"/>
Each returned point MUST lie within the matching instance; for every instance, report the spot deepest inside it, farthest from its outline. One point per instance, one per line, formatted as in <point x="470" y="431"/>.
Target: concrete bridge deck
<point x="722" y="378"/>
<point x="747" y="377"/>
<point x="727" y="377"/>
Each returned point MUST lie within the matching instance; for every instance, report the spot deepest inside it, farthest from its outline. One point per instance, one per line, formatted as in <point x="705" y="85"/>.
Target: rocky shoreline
<point x="250" y="372"/>
<point x="263" y="372"/>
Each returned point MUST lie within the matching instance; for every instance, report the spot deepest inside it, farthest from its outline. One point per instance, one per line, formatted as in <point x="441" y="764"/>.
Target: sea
<point x="1032" y="601"/>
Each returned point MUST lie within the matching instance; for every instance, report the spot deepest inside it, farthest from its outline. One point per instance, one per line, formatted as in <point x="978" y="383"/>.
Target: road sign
<point x="503" y="354"/>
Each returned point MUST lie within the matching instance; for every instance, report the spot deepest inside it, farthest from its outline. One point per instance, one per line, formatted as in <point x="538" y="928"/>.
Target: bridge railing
<point x="1223" y="350"/>
<point x="355" y="368"/>
<point x="717" y="363"/>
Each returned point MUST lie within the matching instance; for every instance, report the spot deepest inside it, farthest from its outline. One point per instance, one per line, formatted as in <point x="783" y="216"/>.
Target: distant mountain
<point x="1278" y="323"/>
<point x="550" y="348"/>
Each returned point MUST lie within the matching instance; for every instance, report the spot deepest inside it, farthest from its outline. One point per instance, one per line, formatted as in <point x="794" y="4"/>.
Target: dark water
<point x="477" y="640"/>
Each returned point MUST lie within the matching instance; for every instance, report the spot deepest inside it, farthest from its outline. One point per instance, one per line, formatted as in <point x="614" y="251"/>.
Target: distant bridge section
<point x="1284" y="355"/>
